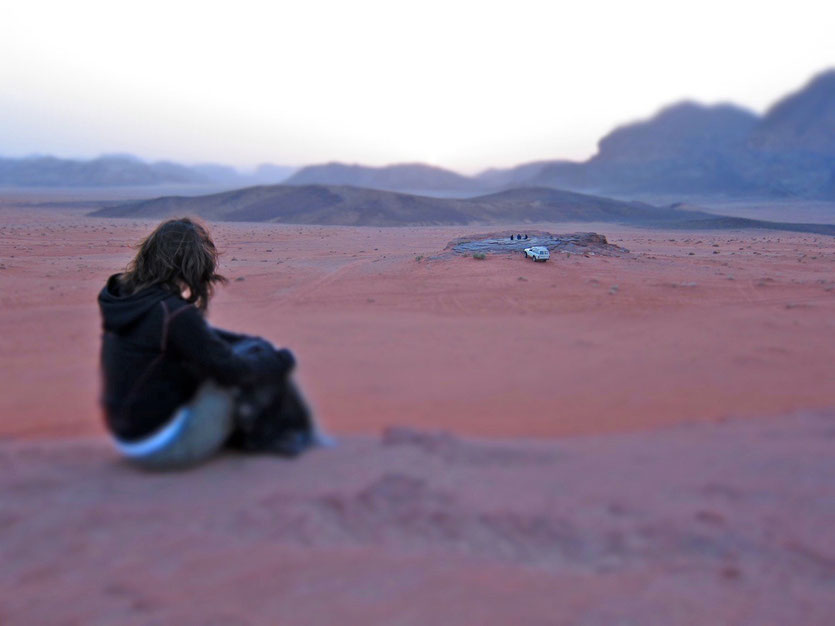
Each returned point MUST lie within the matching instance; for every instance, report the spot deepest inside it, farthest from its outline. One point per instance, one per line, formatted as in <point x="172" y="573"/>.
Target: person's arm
<point x="211" y="357"/>
<point x="229" y="336"/>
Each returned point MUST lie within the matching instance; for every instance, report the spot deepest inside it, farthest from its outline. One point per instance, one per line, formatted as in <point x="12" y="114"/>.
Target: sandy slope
<point x="707" y="524"/>
<point x="666" y="513"/>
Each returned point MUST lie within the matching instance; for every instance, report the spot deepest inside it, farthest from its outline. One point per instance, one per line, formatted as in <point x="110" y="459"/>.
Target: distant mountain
<point x="682" y="131"/>
<point x="541" y="204"/>
<point x="793" y="147"/>
<point x="302" y="204"/>
<point x="217" y="173"/>
<point x="498" y="178"/>
<point x="269" y="174"/>
<point x="687" y="148"/>
<point x="116" y="170"/>
<point x="121" y="170"/>
<point x="694" y="149"/>
<point x="803" y="122"/>
<point x="684" y="148"/>
<point x="264" y="174"/>
<point x="352" y="206"/>
<point x="402" y="177"/>
<point x="170" y="172"/>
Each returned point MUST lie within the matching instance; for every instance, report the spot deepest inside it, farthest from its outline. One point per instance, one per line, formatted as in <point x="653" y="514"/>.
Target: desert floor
<point x="638" y="440"/>
<point x="694" y="326"/>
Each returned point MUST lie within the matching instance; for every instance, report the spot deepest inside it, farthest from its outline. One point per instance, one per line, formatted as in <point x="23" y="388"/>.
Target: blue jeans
<point x="197" y="431"/>
<point x="271" y="418"/>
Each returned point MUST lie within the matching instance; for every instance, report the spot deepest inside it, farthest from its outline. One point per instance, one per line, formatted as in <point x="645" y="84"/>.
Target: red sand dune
<point x="677" y="523"/>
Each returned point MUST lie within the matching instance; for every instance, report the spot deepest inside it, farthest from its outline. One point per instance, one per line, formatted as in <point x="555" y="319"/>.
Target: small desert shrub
<point x="479" y="256"/>
<point x="419" y="257"/>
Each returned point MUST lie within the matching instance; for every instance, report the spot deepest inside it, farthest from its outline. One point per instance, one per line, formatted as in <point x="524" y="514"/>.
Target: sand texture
<point x="390" y="328"/>
<point x="708" y="524"/>
<point x="636" y="439"/>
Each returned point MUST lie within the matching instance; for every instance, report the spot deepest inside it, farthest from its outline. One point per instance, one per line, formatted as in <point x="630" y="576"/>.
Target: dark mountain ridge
<point x="353" y="206"/>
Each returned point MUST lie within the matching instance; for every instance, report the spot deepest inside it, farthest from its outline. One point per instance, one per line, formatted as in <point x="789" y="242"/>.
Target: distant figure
<point x="177" y="390"/>
<point x="518" y="237"/>
<point x="511" y="237"/>
<point x="526" y="235"/>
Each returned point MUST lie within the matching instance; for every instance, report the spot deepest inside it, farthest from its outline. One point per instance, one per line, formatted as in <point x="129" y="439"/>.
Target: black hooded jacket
<point x="157" y="349"/>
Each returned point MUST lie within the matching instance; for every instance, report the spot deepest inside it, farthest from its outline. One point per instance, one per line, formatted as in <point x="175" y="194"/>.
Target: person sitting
<point x="176" y="390"/>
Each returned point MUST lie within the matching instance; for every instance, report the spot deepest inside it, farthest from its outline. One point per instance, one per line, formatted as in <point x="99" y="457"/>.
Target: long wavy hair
<point x="180" y="256"/>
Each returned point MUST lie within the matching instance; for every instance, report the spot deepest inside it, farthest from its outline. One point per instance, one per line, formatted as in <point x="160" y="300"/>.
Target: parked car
<point x="538" y="253"/>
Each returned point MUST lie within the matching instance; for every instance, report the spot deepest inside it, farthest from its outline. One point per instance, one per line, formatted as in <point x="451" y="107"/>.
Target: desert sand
<point x="643" y="439"/>
<point x="701" y="524"/>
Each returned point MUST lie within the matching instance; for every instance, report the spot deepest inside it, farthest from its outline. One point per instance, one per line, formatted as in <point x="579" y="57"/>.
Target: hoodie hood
<point x="121" y="311"/>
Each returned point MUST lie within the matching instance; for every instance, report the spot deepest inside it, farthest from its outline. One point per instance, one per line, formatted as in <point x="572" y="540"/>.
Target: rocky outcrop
<point x="505" y="242"/>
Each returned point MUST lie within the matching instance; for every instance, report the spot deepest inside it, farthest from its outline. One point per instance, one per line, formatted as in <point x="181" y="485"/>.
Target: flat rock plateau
<point x="507" y="242"/>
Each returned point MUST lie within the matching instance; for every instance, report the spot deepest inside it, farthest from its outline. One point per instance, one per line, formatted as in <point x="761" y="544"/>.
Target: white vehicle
<point x="538" y="253"/>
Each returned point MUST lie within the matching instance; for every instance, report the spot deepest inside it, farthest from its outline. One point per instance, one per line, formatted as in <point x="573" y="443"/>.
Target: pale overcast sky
<point x="462" y="84"/>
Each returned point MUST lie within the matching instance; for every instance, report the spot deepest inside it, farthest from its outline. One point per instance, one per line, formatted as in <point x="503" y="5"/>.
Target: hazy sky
<point x="462" y="84"/>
